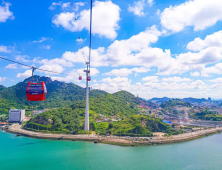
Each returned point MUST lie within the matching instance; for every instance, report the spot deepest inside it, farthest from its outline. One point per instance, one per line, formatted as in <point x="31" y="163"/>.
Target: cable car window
<point x="45" y="89"/>
<point x="35" y="89"/>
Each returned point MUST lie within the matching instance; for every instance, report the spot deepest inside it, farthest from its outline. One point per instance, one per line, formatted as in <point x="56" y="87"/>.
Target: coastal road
<point x="202" y="123"/>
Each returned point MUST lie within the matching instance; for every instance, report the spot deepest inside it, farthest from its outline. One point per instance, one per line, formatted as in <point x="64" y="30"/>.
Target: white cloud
<point x="119" y="72"/>
<point x="2" y="79"/>
<point x="137" y="8"/>
<point x="113" y="85"/>
<point x="125" y="71"/>
<point x="105" y="19"/>
<point x="151" y="79"/>
<point x="198" y="85"/>
<point x="26" y="74"/>
<point x="23" y="58"/>
<point x="94" y="71"/>
<point x="5" y="13"/>
<point x="150" y="2"/>
<point x="136" y="51"/>
<point x="197" y="13"/>
<point x="216" y="69"/>
<point x="4" y="49"/>
<point x="216" y="86"/>
<point x="54" y="4"/>
<point x="81" y="56"/>
<point x="175" y="85"/>
<point x="153" y="89"/>
<point x="47" y="47"/>
<point x="195" y="74"/>
<point x="217" y="80"/>
<point x="66" y="5"/>
<point x="140" y="69"/>
<point x="158" y="12"/>
<point x="42" y="39"/>
<point x="52" y="68"/>
<point x="12" y="66"/>
<point x="80" y="40"/>
<point x="198" y="44"/>
<point x="176" y="79"/>
<point x="78" y="4"/>
<point x="206" y="56"/>
<point x="55" y="61"/>
<point x="73" y="76"/>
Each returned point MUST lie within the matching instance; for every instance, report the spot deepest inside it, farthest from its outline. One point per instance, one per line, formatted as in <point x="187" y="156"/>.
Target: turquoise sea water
<point x="22" y="153"/>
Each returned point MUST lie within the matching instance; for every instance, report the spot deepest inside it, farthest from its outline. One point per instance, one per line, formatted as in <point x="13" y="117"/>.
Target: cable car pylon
<point x="86" y="125"/>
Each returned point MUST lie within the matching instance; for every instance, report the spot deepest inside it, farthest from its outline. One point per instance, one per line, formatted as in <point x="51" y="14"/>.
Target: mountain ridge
<point x="60" y="94"/>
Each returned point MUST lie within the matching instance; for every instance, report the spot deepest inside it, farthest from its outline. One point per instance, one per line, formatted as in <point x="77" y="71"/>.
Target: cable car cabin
<point x="80" y="77"/>
<point x="88" y="78"/>
<point x="36" y="91"/>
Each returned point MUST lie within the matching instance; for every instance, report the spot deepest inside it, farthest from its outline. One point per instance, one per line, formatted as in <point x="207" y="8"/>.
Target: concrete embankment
<point x="123" y="141"/>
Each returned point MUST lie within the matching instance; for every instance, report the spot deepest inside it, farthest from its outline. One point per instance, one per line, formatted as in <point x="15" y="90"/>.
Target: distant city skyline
<point x="147" y="47"/>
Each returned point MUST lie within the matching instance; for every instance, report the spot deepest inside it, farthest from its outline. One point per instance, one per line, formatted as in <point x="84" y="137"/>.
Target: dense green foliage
<point x="121" y="118"/>
<point x="207" y="115"/>
<point x="175" y="102"/>
<point x="59" y="94"/>
<point x="170" y="106"/>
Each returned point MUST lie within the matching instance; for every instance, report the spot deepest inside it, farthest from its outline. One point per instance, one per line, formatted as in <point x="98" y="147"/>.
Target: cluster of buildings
<point x="18" y="115"/>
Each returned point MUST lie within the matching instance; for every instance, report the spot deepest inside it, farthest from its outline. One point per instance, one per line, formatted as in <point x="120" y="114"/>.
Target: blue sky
<point x="151" y="48"/>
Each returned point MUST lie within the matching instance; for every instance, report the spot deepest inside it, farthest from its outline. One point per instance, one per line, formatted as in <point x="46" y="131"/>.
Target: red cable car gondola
<point x="36" y="91"/>
<point x="80" y="77"/>
<point x="88" y="78"/>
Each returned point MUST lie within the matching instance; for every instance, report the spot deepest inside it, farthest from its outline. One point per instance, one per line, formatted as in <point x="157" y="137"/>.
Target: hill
<point x="171" y="105"/>
<point x="194" y="100"/>
<point x="109" y="113"/>
<point x="2" y="87"/>
<point x="160" y="100"/>
<point x="59" y="94"/>
<point x="174" y="102"/>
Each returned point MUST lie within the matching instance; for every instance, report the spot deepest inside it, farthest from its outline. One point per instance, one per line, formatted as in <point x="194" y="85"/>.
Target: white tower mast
<point x="86" y="126"/>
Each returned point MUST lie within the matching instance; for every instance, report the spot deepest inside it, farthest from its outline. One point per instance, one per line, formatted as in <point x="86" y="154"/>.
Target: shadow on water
<point x="24" y="144"/>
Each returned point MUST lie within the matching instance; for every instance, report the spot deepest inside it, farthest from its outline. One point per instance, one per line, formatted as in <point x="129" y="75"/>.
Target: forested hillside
<point x="59" y="94"/>
<point x="109" y="113"/>
<point x="171" y="103"/>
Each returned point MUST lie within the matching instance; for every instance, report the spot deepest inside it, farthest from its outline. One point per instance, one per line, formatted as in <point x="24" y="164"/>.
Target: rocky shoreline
<point x="113" y="140"/>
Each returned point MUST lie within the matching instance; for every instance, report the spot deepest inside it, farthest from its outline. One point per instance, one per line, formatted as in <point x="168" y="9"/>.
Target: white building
<point x="16" y="115"/>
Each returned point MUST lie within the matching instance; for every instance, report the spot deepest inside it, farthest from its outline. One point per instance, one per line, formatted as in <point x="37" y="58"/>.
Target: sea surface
<point x="22" y="153"/>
